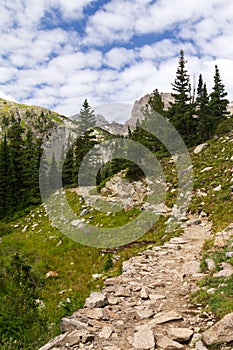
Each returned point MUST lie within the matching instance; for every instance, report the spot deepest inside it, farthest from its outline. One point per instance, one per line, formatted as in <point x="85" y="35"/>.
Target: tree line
<point x="196" y="114"/>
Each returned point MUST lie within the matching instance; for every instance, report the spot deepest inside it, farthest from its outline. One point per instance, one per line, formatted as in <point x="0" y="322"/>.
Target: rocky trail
<point x="147" y="306"/>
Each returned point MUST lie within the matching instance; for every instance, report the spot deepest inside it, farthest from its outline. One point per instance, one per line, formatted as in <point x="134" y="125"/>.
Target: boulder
<point x="96" y="300"/>
<point x="168" y="344"/>
<point x="199" y="148"/>
<point x="144" y="338"/>
<point x="180" y="334"/>
<point x="220" y="332"/>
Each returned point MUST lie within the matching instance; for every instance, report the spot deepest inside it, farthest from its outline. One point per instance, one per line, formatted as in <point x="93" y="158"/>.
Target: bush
<point x="5" y="229"/>
<point x="225" y="127"/>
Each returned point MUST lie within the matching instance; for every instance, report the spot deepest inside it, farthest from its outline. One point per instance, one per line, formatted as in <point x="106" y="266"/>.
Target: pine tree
<point x="203" y="112"/>
<point x="181" y="110"/>
<point x="16" y="147"/>
<point x="155" y="102"/>
<point x="30" y="180"/>
<point x="53" y="175"/>
<point x="87" y="119"/>
<point x="4" y="177"/>
<point x="218" y="102"/>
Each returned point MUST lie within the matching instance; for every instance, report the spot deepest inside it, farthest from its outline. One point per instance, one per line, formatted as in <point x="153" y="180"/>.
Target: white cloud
<point x="59" y="66"/>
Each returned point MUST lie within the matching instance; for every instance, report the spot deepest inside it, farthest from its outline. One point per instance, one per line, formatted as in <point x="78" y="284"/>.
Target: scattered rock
<point x="145" y="313"/>
<point x="199" y="148"/>
<point x="166" y="317"/>
<point x="169" y="344"/>
<point x="51" y="274"/>
<point x="206" y="169"/>
<point x="227" y="270"/>
<point x="96" y="300"/>
<point x="221" y="332"/>
<point x="106" y="332"/>
<point x="144" y="339"/>
<point x="210" y="264"/>
<point x="200" y="345"/>
<point x="180" y="334"/>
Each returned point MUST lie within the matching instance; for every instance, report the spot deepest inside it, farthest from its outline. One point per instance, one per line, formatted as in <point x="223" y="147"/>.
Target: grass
<point x="218" y="206"/>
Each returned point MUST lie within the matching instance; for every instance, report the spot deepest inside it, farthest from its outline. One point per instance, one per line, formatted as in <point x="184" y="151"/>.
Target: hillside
<point x="68" y="271"/>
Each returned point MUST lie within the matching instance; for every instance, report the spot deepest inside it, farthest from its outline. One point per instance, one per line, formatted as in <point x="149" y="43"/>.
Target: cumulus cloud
<point x="57" y="53"/>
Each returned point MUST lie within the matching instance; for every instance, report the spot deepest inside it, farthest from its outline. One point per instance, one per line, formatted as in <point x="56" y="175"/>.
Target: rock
<point x="84" y="212"/>
<point x="210" y="264"/>
<point x="168" y="344"/>
<point x="166" y="317"/>
<point x="122" y="292"/>
<point x="144" y="338"/>
<point x="97" y="313"/>
<point x="200" y="346"/>
<point x="229" y="255"/>
<point x="220" y="332"/>
<point x="206" y="169"/>
<point x="222" y="237"/>
<point x="180" y="334"/>
<point x="96" y="300"/>
<point x="53" y="342"/>
<point x="196" y="222"/>
<point x="51" y="274"/>
<point x="199" y="148"/>
<point x="69" y="324"/>
<point x="191" y="268"/>
<point x="211" y="290"/>
<point x="227" y="271"/>
<point x="145" y="313"/>
<point x="144" y="293"/>
<point x="106" y="332"/>
<point x="217" y="188"/>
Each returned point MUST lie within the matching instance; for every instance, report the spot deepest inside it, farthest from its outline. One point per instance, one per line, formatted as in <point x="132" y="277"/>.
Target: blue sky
<point x="56" y="53"/>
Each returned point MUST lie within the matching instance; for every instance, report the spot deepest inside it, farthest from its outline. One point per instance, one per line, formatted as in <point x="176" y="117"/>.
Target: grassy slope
<point x="48" y="249"/>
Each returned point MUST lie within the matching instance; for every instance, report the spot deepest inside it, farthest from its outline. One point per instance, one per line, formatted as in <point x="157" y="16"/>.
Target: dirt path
<point x="147" y="306"/>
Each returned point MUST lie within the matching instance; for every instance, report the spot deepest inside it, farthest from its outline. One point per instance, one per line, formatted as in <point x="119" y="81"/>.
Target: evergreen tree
<point x="218" y="102"/>
<point x="203" y="112"/>
<point x="4" y="177"/>
<point x="16" y="148"/>
<point x="53" y="175"/>
<point x="155" y="102"/>
<point x="30" y="177"/>
<point x="181" y="110"/>
<point x="87" y="119"/>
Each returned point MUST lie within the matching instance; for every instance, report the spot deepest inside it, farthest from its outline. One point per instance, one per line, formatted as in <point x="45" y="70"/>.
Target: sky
<point x="57" y="53"/>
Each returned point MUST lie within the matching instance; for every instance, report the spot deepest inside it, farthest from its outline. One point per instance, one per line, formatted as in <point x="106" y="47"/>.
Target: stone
<point x="220" y="332"/>
<point x="206" y="169"/>
<point x="168" y="344"/>
<point x="199" y="148"/>
<point x="69" y="324"/>
<point x="144" y="339"/>
<point x="164" y="317"/>
<point x="84" y="212"/>
<point x="217" y="188"/>
<point x="144" y="293"/>
<point x="196" y="222"/>
<point x="229" y="255"/>
<point x="51" y="274"/>
<point x="200" y="346"/>
<point x="227" y="271"/>
<point x="145" y="313"/>
<point x="96" y="313"/>
<point x="180" y="334"/>
<point x="122" y="292"/>
<point x="191" y="268"/>
<point x="96" y="300"/>
<point x="106" y="332"/>
<point x="210" y="264"/>
<point x="55" y="341"/>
